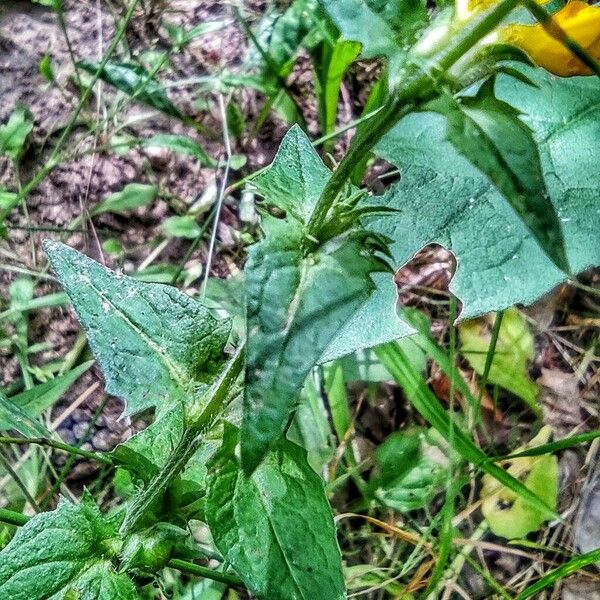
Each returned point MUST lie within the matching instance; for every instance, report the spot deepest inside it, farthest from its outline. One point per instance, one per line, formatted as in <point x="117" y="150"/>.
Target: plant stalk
<point x="57" y="446"/>
<point x="195" y="426"/>
<point x="194" y="569"/>
<point x="415" y="88"/>
<point x="13" y="518"/>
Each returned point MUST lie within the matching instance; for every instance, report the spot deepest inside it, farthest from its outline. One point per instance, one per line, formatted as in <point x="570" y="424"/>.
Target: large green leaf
<point x="442" y="198"/>
<point x="64" y="554"/>
<point x="152" y="341"/>
<point x="298" y="301"/>
<point x="275" y="527"/>
<point x="296" y="305"/>
<point x="384" y="28"/>
<point x="490" y="134"/>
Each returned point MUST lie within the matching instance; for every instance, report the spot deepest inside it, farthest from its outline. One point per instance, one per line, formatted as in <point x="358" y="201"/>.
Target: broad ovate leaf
<point x="296" y="305"/>
<point x="298" y="301"/>
<point x="491" y="135"/>
<point x="442" y="198"/>
<point x="153" y="342"/>
<point x="275" y="527"/>
<point x="63" y="554"/>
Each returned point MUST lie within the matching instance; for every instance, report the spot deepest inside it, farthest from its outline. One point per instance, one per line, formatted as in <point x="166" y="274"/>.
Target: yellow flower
<point x="580" y="21"/>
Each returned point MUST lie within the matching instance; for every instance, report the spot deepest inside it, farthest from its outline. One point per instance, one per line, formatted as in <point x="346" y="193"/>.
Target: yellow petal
<point x="580" y="21"/>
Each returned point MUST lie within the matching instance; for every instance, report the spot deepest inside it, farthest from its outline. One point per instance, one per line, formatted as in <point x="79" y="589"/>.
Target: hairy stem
<point x="196" y="425"/>
<point x="194" y="569"/>
<point x="13" y="518"/>
<point x="416" y="87"/>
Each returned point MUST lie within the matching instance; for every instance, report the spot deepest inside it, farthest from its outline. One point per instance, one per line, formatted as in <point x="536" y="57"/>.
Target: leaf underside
<point x="442" y="198"/>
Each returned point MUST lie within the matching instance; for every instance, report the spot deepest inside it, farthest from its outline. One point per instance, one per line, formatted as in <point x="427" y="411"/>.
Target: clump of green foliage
<point x="495" y="158"/>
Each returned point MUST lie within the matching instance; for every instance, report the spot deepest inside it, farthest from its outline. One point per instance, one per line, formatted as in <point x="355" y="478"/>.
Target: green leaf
<point x="37" y="399"/>
<point x="406" y="477"/>
<point x="181" y="37"/>
<point x="153" y="342"/>
<point x="63" y="554"/>
<point x="296" y="177"/>
<point x="47" y="69"/>
<point x="507" y="513"/>
<point x="133" y="195"/>
<point x="514" y="351"/>
<point x="281" y="34"/>
<point x="183" y="226"/>
<point x="275" y="527"/>
<point x="296" y="301"/>
<point x="491" y="135"/>
<point x="441" y="198"/>
<point x="295" y="306"/>
<point x="14" y="135"/>
<point x="135" y="81"/>
<point x="374" y="323"/>
<point x="181" y="144"/>
<point x="383" y="28"/>
<point x="425" y="402"/>
<point x="331" y="64"/>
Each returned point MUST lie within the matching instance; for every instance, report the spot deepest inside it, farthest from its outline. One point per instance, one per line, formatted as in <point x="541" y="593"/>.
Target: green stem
<point x="13" y="518"/>
<point x="176" y="462"/>
<point x="58" y="446"/>
<point x="415" y="88"/>
<point x="193" y="569"/>
<point x="196" y="425"/>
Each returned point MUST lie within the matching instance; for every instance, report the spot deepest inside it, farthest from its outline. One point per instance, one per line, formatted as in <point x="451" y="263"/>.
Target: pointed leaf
<point x="153" y="342"/>
<point x="135" y="81"/>
<point x="295" y="179"/>
<point x="275" y="527"/>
